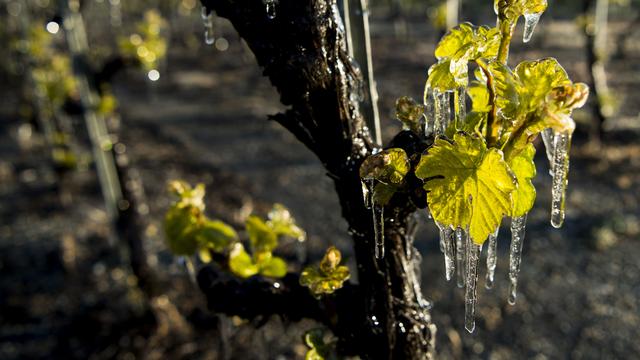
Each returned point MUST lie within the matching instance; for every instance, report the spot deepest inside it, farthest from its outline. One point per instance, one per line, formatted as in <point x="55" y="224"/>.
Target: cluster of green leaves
<point x="480" y="170"/>
<point x="328" y="276"/>
<point x="188" y="231"/>
<point x="51" y="69"/>
<point x="147" y="44"/>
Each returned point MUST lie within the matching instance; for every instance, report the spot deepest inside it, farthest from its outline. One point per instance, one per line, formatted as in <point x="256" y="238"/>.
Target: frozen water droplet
<point x="530" y="22"/>
<point x="446" y="239"/>
<point x="518" y="228"/>
<point x="461" y="255"/>
<point x="270" y="7"/>
<point x="207" y="21"/>
<point x="559" y="182"/>
<point x="549" y="145"/>
<point x="378" y="229"/>
<point x="470" y="294"/>
<point x="492" y="257"/>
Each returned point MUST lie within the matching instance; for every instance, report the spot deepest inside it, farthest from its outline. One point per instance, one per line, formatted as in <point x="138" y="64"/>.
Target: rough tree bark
<point x="304" y="54"/>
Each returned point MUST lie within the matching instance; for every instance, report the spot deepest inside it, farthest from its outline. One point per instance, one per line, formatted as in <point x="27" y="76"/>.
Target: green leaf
<point x="241" y="263"/>
<point x="468" y="185"/>
<point x="468" y="42"/>
<point x="388" y="166"/>
<point x="480" y="97"/>
<point x="382" y="193"/>
<point x="216" y="235"/>
<point x="512" y="9"/>
<point x="410" y="113"/>
<point x="261" y="236"/>
<point x="273" y="266"/>
<point x="505" y="87"/>
<point x="538" y="78"/>
<point x="187" y="195"/>
<point x="328" y="276"/>
<point x="283" y="224"/>
<point x="523" y="167"/>
<point x="180" y="224"/>
<point x="319" y="348"/>
<point x="460" y="45"/>
<point x="441" y="79"/>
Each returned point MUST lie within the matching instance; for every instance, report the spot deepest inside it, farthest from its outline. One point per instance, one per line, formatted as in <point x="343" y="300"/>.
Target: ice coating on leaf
<point x="460" y="45"/>
<point x="518" y="228"/>
<point x="523" y="167"/>
<point x="548" y="138"/>
<point x="442" y="111"/>
<point x="560" y="176"/>
<point x="530" y="22"/>
<point x="492" y="259"/>
<point x="468" y="185"/>
<point x="207" y="20"/>
<point x="471" y="294"/>
<point x="410" y="113"/>
<point x="462" y="243"/>
<point x="378" y="229"/>
<point x="446" y="239"/>
<point x="388" y="166"/>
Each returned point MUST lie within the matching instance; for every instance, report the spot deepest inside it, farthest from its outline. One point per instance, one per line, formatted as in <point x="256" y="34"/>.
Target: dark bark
<point x="303" y="53"/>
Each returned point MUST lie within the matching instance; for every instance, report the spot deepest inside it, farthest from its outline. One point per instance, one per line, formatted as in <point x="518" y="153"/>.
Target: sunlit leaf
<point x="388" y="166"/>
<point x="241" y="263"/>
<point x="283" y="224"/>
<point x="467" y="185"/>
<point x="180" y="225"/>
<point x="410" y="113"/>
<point x="513" y="9"/>
<point x="523" y="167"/>
<point x="215" y="235"/>
<point x="328" y="276"/>
<point x="261" y="235"/>
<point x="273" y="266"/>
<point x="538" y="78"/>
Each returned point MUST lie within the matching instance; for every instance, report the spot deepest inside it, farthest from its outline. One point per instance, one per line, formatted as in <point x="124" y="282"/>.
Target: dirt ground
<point x="66" y="293"/>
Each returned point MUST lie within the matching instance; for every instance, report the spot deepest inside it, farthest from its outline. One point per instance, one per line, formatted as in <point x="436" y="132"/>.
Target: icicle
<point x="549" y="145"/>
<point x="461" y="106"/>
<point x="429" y="111"/>
<point x="530" y="22"/>
<point x="446" y="240"/>
<point x="461" y="255"/>
<point x="366" y="194"/>
<point x="517" y="237"/>
<point x="492" y="257"/>
<point x="470" y="294"/>
<point x="560" y="172"/>
<point x="446" y="116"/>
<point x="378" y="228"/>
<point x="442" y="111"/>
<point x="270" y="7"/>
<point x="207" y="20"/>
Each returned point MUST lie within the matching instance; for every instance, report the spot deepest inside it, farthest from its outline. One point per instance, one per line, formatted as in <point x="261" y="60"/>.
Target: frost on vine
<point x="381" y="175"/>
<point x="326" y="277"/>
<point x="480" y="166"/>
